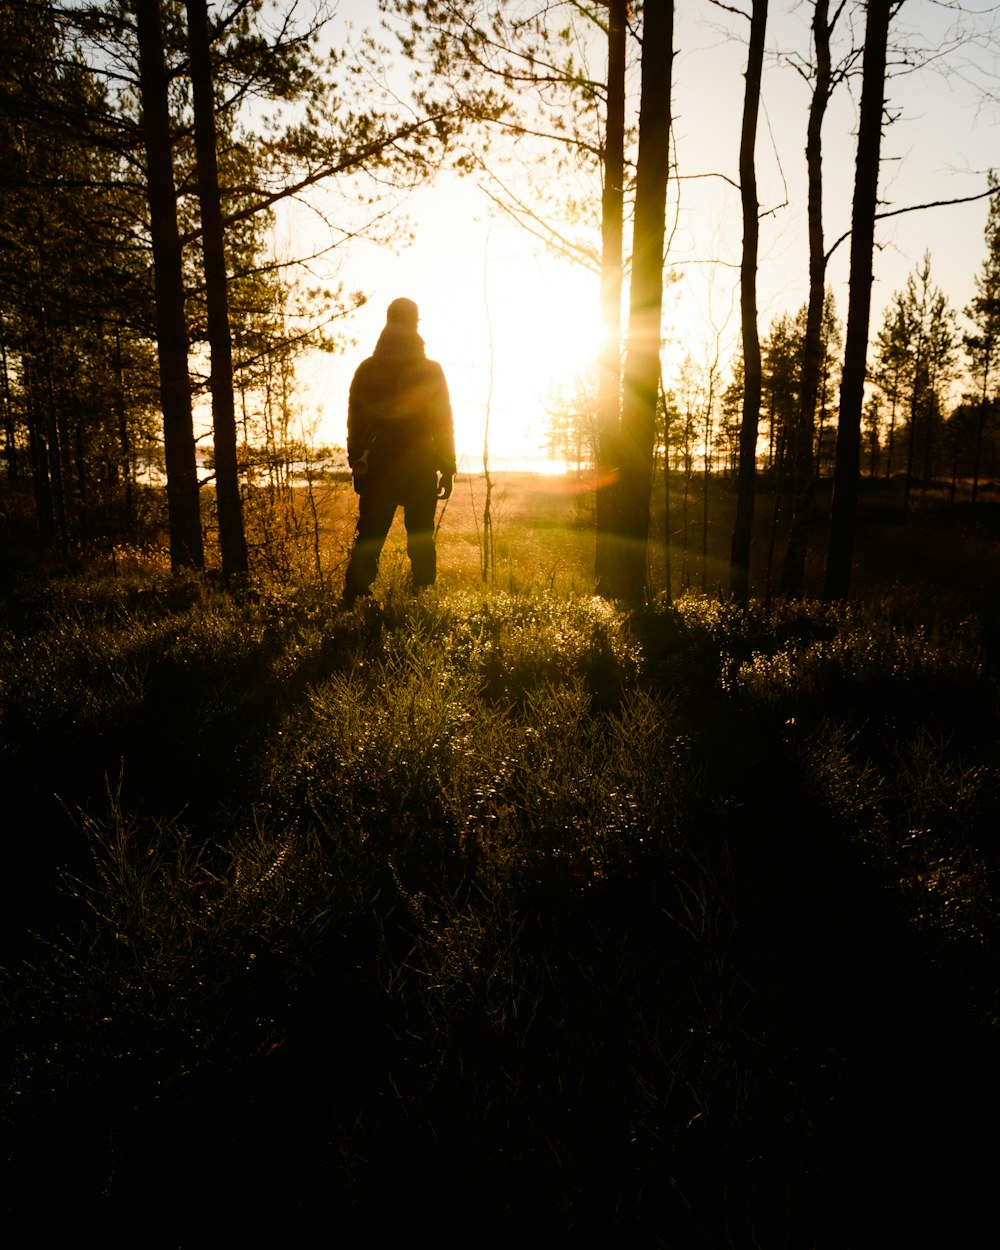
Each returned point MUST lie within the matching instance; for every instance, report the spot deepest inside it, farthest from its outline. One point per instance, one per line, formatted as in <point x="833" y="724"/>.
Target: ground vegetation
<point x="486" y="909"/>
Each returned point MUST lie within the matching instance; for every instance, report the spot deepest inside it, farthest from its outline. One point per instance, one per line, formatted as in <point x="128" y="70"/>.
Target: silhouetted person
<point x="401" y="448"/>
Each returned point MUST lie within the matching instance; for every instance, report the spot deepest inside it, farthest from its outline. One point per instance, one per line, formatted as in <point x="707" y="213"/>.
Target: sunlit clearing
<point x="534" y="327"/>
<point x="508" y="322"/>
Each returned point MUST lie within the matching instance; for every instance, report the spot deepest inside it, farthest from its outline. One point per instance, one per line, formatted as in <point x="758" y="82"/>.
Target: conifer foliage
<point x="113" y="272"/>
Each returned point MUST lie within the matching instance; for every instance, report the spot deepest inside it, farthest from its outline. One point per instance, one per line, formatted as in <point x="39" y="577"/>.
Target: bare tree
<point x="852" y="387"/>
<point x="609" y="399"/>
<point x="642" y="360"/>
<point x="232" y="539"/>
<point x="186" y="547"/>
<point x="983" y="343"/>
<point x="802" y="463"/>
<point x="739" y="568"/>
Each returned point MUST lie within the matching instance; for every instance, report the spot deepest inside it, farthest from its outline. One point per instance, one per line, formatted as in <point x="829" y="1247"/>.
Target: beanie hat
<point x="402" y="312"/>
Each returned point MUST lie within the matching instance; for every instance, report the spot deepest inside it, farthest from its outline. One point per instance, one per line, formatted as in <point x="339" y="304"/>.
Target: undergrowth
<point x="484" y="886"/>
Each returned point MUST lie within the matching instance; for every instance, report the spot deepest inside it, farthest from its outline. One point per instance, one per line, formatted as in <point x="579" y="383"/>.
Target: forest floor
<point x="501" y="914"/>
<point x="940" y="556"/>
<point x="940" y="551"/>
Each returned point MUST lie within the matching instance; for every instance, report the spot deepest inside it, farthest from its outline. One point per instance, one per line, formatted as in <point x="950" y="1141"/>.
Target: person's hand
<point x="360" y="471"/>
<point x="445" y="483"/>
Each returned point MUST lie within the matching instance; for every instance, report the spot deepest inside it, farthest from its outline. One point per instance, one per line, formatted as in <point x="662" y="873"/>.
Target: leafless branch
<point x="916" y="208"/>
<point x="544" y="231"/>
<point x="729" y="8"/>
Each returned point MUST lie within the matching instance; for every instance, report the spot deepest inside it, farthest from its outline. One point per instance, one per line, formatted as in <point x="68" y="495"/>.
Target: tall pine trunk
<point x="980" y="427"/>
<point x="54" y="441"/>
<point x="852" y="387"/>
<point x="642" y="359"/>
<point x="739" y="565"/>
<point x="186" y="549"/>
<point x="911" y="434"/>
<point x="39" y="457"/>
<point x="612" y="215"/>
<point x="232" y="539"/>
<point x="803" y="471"/>
<point x="124" y="437"/>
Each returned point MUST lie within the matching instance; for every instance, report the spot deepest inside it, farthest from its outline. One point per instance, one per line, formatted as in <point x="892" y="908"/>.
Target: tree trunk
<point x="980" y="426"/>
<point x="186" y="550"/>
<point x="232" y="539"/>
<point x="124" y="438"/>
<point x="642" y="360"/>
<point x="739" y="564"/>
<point x="83" y="525"/>
<point x="667" y="563"/>
<point x="55" y="445"/>
<point x="39" y="456"/>
<point x="803" y="472"/>
<point x="612" y="214"/>
<point x="911" y="446"/>
<point x="928" y="438"/>
<point x="706" y="479"/>
<point x="852" y="387"/>
<point x="892" y="436"/>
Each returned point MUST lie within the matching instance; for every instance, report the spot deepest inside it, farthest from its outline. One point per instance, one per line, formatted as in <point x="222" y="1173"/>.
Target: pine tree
<point x="232" y="539"/>
<point x="926" y="343"/>
<point x="802" y="458"/>
<point x="781" y="354"/>
<point x="840" y="548"/>
<point x="186" y="546"/>
<point x="982" y="345"/>
<point x="642" y="359"/>
<point x="739" y="566"/>
<point x="74" y="294"/>
<point x="889" y="373"/>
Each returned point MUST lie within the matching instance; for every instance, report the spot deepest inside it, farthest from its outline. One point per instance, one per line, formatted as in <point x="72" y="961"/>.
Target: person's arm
<point x="444" y="429"/>
<point x="359" y="419"/>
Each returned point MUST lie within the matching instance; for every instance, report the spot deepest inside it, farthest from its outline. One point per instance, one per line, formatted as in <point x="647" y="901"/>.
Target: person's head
<point x="402" y="312"/>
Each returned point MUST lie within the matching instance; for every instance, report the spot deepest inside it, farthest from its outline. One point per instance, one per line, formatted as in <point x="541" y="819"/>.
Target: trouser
<point x="400" y="485"/>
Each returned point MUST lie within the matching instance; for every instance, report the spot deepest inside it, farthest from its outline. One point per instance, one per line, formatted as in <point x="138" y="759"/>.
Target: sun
<point x="507" y="321"/>
<point x="529" y="323"/>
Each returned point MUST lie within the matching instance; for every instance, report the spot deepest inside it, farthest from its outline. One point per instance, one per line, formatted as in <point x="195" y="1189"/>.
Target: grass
<point x="496" y="909"/>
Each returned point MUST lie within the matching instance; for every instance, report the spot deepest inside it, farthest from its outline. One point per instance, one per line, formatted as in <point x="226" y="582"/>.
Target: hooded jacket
<point x="399" y="407"/>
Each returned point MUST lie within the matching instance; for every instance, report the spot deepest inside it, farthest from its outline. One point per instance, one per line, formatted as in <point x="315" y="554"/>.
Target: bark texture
<point x="642" y="359"/>
<point x="852" y="386"/>
<point x="739" y="564"/>
<point x="612" y="215"/>
<point x="186" y="548"/>
<point x="232" y="539"/>
<point x="803" y="472"/>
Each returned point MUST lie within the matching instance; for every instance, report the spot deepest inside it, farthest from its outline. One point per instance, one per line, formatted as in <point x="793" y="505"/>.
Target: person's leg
<point x="376" y="508"/>
<point x="419" y="506"/>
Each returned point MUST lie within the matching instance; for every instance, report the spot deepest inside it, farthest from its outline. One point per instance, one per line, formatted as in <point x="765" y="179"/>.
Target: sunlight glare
<point x="507" y="321"/>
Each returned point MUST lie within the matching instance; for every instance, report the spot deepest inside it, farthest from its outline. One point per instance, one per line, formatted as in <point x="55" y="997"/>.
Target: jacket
<point x="399" y="407"/>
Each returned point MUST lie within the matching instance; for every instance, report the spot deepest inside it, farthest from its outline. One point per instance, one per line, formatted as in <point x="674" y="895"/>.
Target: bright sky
<point x="504" y="318"/>
<point x="508" y="321"/>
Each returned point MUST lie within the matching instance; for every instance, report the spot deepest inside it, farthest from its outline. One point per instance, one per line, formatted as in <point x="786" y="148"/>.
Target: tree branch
<point x="915" y="208"/>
